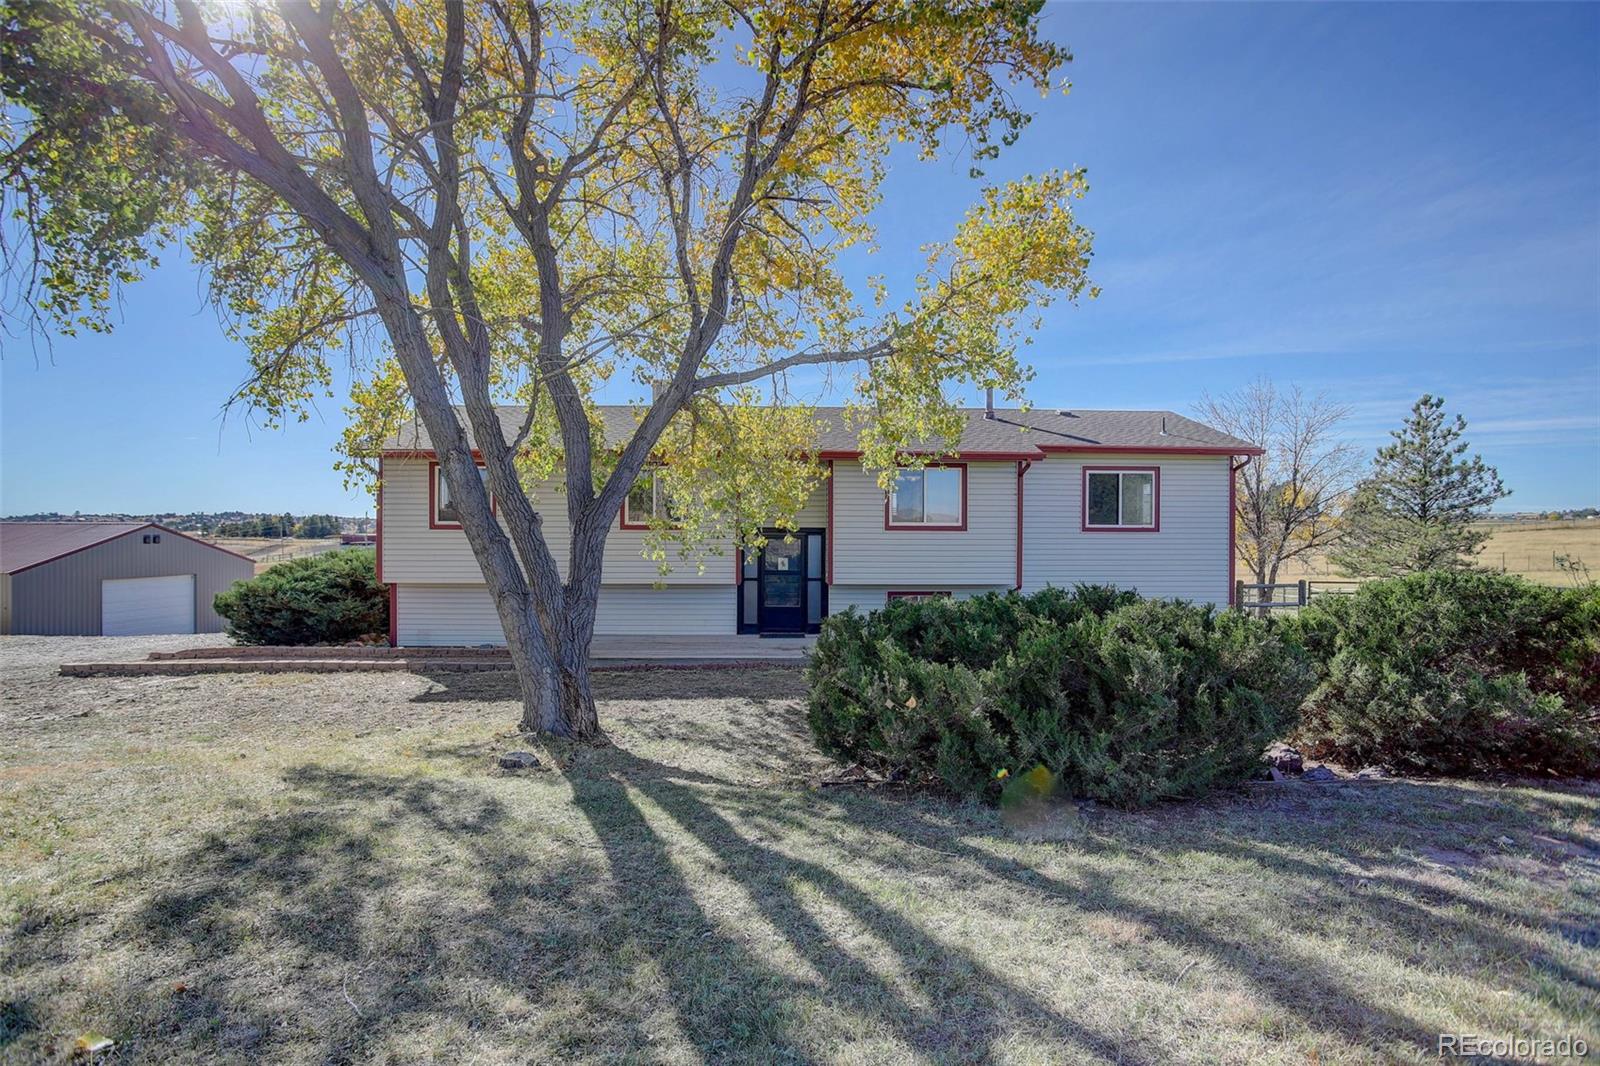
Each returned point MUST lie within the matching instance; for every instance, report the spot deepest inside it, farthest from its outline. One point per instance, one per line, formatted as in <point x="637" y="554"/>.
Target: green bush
<point x="1126" y="701"/>
<point x="332" y="598"/>
<point x="1455" y="673"/>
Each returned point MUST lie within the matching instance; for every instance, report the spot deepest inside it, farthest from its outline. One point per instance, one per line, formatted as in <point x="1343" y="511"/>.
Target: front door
<point x="784" y="591"/>
<point x="783" y="587"/>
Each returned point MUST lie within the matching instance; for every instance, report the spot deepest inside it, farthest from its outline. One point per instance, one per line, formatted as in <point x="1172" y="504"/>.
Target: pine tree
<point x="1415" y="510"/>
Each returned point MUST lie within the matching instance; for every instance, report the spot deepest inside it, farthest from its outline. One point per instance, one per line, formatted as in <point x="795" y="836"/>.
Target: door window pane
<point x="813" y="555"/>
<point x="781" y="557"/>
<point x="1138" y="499"/>
<point x="781" y="590"/>
<point x="1103" y="493"/>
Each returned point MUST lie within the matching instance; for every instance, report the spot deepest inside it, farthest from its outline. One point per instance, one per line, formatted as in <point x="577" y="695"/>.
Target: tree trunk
<point x="552" y="669"/>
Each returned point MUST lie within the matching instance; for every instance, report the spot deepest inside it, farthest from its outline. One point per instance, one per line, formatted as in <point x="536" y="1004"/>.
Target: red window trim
<point x="433" y="499"/>
<point x="923" y="594"/>
<point x="1155" y="500"/>
<point x="919" y="527"/>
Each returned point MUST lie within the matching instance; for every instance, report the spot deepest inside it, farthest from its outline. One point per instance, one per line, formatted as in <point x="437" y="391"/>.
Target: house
<point x="1138" y="499"/>
<point x="111" y="579"/>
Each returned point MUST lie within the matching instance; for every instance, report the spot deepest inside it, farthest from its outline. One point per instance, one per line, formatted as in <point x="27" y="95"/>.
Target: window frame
<point x="625" y="521"/>
<point x="925" y="527"/>
<point x="434" y="476"/>
<point x="1155" y="499"/>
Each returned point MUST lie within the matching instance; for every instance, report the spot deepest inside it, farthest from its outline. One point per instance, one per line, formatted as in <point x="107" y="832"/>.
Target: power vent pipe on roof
<point x="988" y="404"/>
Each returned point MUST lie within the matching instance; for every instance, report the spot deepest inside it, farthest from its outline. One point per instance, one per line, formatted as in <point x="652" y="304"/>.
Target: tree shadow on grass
<point x="1390" y="913"/>
<point x="663" y="909"/>
<point x="416" y="917"/>
<point x="943" y="1003"/>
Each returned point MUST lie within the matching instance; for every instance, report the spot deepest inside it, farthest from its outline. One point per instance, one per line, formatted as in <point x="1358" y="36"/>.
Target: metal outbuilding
<point x="111" y="579"/>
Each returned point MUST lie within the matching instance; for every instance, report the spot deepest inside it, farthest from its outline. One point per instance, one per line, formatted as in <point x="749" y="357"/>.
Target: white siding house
<point x="1026" y="499"/>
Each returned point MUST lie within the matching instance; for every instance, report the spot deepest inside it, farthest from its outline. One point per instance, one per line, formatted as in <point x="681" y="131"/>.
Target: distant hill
<point x="226" y="523"/>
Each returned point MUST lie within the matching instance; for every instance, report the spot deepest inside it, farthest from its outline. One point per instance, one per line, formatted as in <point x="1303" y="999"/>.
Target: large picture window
<point x="445" y="514"/>
<point x="1122" y="498"/>
<point x="646" y="501"/>
<point x="934" y="497"/>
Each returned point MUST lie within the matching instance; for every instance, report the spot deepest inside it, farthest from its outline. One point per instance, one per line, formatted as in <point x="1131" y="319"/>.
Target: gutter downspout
<point x="1233" y="524"/>
<point x="1023" y="466"/>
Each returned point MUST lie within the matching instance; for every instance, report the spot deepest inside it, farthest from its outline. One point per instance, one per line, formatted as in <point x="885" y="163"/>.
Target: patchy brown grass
<point x="331" y="869"/>
<point x="1526" y="548"/>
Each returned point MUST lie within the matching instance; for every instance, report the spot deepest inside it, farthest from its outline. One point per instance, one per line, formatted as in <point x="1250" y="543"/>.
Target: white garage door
<point x="134" y="606"/>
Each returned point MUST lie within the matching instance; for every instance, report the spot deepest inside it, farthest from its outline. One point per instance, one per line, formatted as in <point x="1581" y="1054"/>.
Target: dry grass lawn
<point x="331" y="869"/>
<point x="1525" y="548"/>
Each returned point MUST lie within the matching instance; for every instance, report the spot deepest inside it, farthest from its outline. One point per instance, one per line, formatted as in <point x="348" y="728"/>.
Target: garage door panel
<point x="138" y="606"/>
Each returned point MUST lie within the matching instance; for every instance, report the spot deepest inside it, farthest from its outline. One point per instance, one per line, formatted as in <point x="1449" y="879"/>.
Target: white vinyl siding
<point x="985" y="553"/>
<point x="814" y="515"/>
<point x="1187" y="558"/>
<point x="414" y="553"/>
<point x="136" y="606"/>
<point x="465" y="615"/>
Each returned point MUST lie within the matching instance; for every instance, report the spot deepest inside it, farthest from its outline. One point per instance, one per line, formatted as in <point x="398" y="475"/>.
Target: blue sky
<point x="1371" y="201"/>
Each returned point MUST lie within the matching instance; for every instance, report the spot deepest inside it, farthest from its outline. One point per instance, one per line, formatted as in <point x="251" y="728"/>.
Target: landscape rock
<point x="1372" y="773"/>
<point x="1319" y="773"/>
<point x="519" y="760"/>
<point x="1285" y="759"/>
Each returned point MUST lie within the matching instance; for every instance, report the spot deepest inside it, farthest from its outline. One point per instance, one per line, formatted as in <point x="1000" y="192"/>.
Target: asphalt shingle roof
<point x="1011" y="431"/>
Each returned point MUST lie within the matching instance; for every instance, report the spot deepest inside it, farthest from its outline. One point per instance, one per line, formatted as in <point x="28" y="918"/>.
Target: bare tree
<point x="1288" y="500"/>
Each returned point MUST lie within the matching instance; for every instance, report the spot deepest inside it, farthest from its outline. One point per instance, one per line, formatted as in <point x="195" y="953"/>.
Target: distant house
<point x="111" y="579"/>
<point x="1025" y="499"/>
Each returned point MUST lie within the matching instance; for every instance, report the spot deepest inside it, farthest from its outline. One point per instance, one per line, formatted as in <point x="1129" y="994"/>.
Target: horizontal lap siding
<point x="413" y="552"/>
<point x="1187" y="558"/>
<point x="814" y="515"/>
<point x="464" y="614"/>
<point x="865" y="553"/>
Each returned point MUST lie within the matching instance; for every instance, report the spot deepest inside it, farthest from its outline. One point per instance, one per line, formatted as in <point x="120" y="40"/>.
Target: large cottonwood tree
<point x="517" y="201"/>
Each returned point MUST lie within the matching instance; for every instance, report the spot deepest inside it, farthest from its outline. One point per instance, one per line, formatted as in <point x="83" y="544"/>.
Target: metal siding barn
<point x="94" y="579"/>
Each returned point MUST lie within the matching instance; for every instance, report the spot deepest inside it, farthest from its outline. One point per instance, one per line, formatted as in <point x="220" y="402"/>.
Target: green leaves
<point x="1119" y="699"/>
